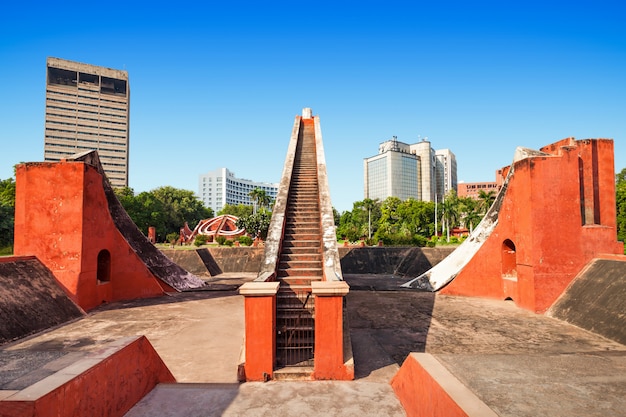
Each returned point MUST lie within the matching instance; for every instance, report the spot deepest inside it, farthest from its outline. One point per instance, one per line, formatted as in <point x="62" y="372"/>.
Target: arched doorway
<point x="103" y="273"/>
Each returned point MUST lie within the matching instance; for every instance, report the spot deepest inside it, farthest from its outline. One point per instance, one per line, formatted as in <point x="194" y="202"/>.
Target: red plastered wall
<point x="559" y="212"/>
<point x="62" y="217"/>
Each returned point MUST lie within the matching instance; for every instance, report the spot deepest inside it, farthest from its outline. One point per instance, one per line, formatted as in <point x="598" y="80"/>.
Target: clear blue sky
<point x="217" y="84"/>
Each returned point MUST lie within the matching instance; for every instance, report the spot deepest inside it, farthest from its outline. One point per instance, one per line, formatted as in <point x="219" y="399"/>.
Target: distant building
<point x="220" y="187"/>
<point x="471" y="189"/>
<point x="409" y="171"/>
<point x="87" y="107"/>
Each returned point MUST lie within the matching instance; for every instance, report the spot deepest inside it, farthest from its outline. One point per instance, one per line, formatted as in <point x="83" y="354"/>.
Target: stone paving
<point x="517" y="362"/>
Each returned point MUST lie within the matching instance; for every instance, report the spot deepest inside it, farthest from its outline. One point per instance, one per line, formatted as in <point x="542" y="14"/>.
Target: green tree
<point x="450" y="209"/>
<point x="620" y="201"/>
<point x="260" y="199"/>
<point x="389" y="221"/>
<point x="257" y="224"/>
<point x="486" y="199"/>
<point x="7" y="211"/>
<point x="361" y="221"/>
<point x="239" y="210"/>
<point x="469" y="212"/>
<point x="181" y="206"/>
<point x="165" y="208"/>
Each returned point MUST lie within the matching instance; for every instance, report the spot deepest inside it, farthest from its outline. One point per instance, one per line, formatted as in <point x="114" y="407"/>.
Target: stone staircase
<point x="300" y="263"/>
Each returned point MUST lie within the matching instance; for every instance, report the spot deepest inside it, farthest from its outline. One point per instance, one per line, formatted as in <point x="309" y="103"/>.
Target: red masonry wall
<point x="62" y="217"/>
<point x="558" y="214"/>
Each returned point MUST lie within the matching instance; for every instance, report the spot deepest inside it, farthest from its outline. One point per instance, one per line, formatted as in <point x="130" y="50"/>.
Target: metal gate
<point x="295" y="335"/>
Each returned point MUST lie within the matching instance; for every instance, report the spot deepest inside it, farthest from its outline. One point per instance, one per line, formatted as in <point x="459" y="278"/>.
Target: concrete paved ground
<point x="518" y="363"/>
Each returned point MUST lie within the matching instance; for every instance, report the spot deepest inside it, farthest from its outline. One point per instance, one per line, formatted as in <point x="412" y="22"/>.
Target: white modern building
<point x="87" y="107"/>
<point x="409" y="171"/>
<point x="220" y="187"/>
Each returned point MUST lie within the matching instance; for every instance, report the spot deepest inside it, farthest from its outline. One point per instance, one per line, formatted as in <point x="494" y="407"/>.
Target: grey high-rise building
<point x="409" y="171"/>
<point x="87" y="107"/>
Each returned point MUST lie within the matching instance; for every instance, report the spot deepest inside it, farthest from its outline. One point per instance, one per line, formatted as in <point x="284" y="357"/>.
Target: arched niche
<point x="103" y="273"/>
<point x="509" y="260"/>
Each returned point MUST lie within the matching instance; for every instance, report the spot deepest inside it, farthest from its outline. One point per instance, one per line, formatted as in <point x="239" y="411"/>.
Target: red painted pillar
<point x="260" y="317"/>
<point x="329" y="328"/>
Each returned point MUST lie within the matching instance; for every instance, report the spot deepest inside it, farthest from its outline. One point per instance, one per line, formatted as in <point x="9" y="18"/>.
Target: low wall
<point x="107" y="382"/>
<point x="426" y="388"/>
<point x="393" y="260"/>
<point x="407" y="261"/>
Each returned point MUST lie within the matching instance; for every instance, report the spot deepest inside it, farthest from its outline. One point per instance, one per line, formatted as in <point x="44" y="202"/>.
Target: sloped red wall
<point x="558" y="214"/>
<point x="62" y="218"/>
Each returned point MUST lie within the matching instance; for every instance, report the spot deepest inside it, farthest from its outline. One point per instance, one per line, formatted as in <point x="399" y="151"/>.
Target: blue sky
<point x="217" y="84"/>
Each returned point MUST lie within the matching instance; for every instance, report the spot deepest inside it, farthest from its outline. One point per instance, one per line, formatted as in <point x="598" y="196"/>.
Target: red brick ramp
<point x="595" y="300"/>
<point x="105" y="382"/>
<point x="31" y="299"/>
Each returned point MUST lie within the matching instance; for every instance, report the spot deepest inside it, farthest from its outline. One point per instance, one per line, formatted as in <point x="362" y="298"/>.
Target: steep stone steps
<point x="300" y="263"/>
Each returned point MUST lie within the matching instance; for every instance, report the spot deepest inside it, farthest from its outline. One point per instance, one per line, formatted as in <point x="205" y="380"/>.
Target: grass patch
<point x="6" y="250"/>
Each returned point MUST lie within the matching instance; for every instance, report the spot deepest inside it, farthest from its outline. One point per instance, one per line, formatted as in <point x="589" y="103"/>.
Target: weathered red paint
<point x="109" y="388"/>
<point x="329" y="350"/>
<point x="421" y="395"/>
<point x="260" y="319"/>
<point x="558" y="214"/>
<point x="62" y="218"/>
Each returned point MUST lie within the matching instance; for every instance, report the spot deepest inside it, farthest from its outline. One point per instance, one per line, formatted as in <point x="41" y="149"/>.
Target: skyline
<point x="218" y="85"/>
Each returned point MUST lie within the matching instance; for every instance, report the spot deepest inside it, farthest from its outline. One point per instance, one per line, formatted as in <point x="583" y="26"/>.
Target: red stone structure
<point x="557" y="213"/>
<point x="294" y="309"/>
<point x="67" y="215"/>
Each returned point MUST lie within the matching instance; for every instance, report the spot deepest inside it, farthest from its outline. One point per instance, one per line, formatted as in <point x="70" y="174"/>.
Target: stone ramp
<point x="258" y="399"/>
<point x="31" y="299"/>
<point x="594" y="301"/>
<point x="519" y="385"/>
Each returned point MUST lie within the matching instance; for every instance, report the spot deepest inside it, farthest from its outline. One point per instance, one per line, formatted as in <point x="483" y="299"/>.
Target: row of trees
<point x="394" y="221"/>
<point x="165" y="208"/>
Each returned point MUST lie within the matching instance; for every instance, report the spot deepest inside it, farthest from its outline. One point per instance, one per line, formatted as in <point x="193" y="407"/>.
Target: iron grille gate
<point x="295" y="330"/>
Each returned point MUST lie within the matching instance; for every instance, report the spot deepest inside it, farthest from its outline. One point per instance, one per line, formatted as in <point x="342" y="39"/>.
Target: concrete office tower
<point x="220" y="187"/>
<point x="409" y="171"/>
<point x="445" y="173"/>
<point x="395" y="171"/>
<point x="87" y="107"/>
<point x="428" y="165"/>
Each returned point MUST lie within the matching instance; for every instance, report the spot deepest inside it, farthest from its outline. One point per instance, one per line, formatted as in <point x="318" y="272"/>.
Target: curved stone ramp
<point x="602" y="286"/>
<point x="160" y="265"/>
<point x="445" y="271"/>
<point x="31" y="299"/>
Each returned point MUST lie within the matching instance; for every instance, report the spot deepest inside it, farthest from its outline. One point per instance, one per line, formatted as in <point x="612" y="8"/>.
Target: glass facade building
<point x="409" y="171"/>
